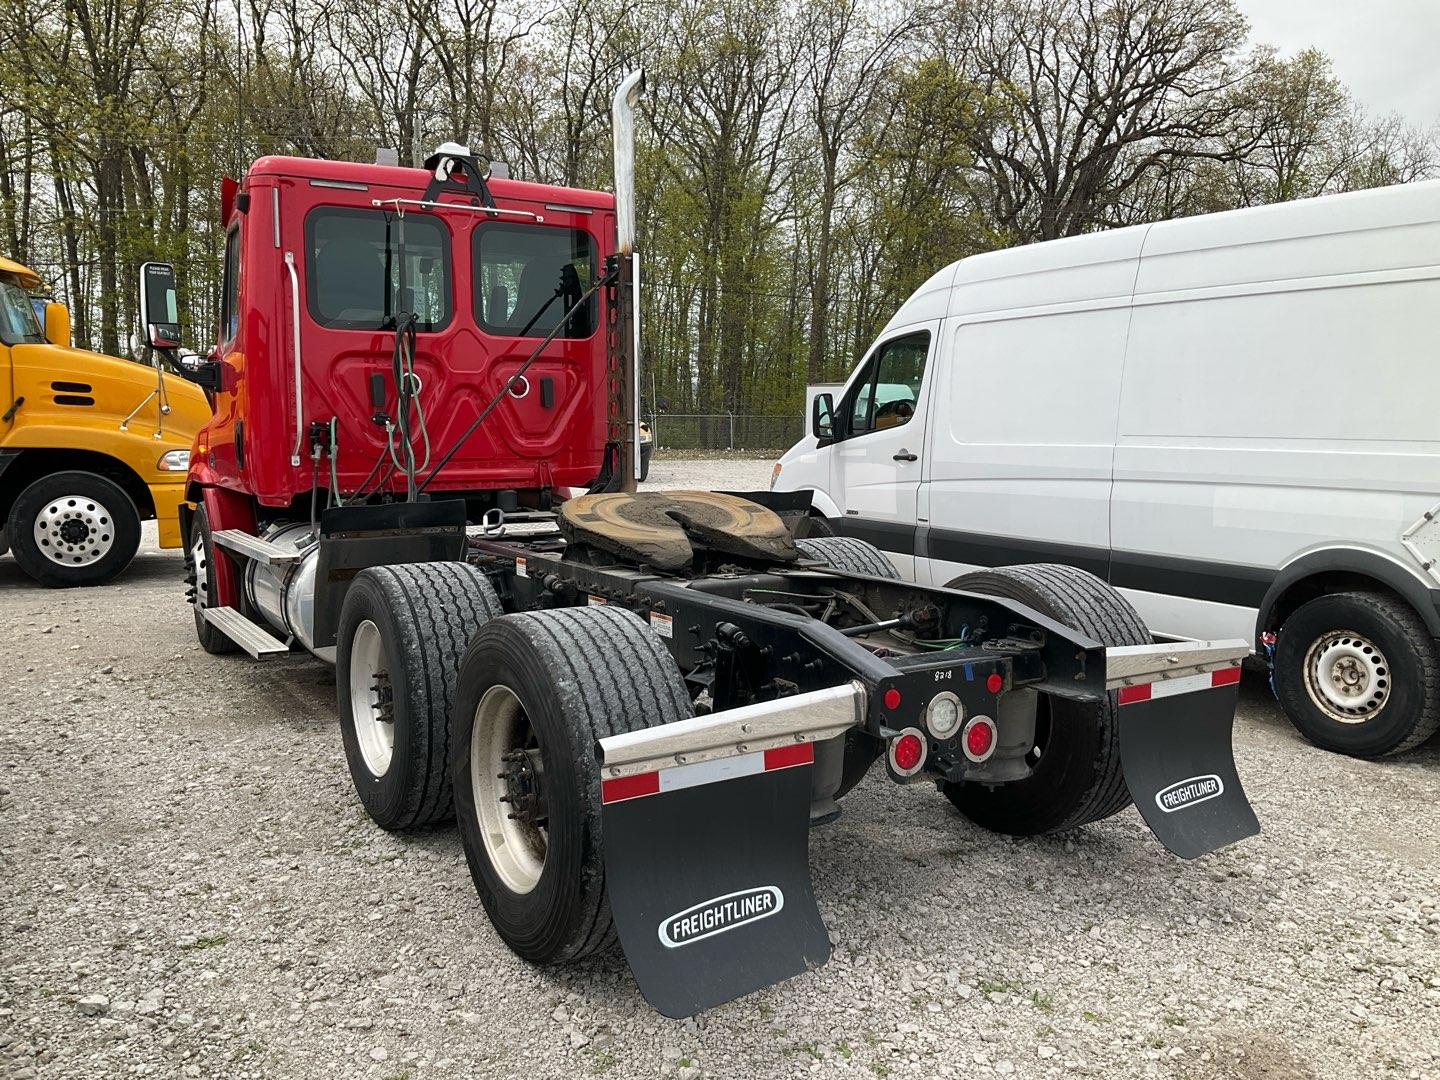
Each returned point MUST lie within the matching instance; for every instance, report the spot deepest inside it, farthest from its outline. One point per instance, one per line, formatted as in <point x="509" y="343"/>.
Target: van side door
<point x="1022" y="442"/>
<point x="880" y="433"/>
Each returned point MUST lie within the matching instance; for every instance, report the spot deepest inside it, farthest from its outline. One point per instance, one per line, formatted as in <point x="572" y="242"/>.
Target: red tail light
<point x="980" y="738"/>
<point x="907" y="752"/>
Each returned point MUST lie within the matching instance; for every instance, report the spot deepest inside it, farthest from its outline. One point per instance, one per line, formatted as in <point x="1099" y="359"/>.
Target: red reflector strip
<point x="676" y="777"/>
<point x="1134" y="693"/>
<point x="1185" y="684"/>
<point x="629" y="787"/>
<point x="783" y="757"/>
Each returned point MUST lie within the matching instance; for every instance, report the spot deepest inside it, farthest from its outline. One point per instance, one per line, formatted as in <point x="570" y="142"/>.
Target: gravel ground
<point x="188" y="887"/>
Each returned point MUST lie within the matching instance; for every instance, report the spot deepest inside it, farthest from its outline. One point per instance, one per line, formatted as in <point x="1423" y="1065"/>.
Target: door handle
<point x="905" y="455"/>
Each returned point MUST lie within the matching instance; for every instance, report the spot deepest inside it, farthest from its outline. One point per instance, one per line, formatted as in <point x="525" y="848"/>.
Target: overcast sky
<point x="1386" y="51"/>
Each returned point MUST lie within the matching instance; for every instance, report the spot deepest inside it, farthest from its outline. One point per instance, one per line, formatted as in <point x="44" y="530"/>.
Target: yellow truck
<point x="90" y="446"/>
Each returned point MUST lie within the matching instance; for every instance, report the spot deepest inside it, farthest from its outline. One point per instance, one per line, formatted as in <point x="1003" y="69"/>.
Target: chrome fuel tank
<point x="284" y="592"/>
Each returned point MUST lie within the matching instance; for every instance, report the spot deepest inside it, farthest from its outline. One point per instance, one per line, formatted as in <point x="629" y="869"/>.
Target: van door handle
<point x="905" y="455"/>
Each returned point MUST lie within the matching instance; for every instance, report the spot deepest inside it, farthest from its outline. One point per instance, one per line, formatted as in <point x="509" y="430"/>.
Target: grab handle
<point x="295" y="336"/>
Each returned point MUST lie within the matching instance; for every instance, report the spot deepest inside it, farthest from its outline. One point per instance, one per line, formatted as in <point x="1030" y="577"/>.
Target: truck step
<point x="253" y="547"/>
<point x="255" y="640"/>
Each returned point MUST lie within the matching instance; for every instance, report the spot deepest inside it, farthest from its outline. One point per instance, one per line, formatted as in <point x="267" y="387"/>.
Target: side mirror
<point x="57" y="324"/>
<point x="822" y="418"/>
<point x="159" y="309"/>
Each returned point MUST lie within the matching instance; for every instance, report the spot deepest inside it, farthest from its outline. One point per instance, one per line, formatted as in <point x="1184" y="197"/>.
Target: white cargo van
<point x="1235" y="419"/>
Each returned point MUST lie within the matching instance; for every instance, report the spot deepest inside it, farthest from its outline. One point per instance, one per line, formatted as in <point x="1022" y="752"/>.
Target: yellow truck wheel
<point x="73" y="528"/>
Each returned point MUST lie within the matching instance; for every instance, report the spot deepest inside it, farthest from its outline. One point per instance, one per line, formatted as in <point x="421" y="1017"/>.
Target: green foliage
<point x="803" y="165"/>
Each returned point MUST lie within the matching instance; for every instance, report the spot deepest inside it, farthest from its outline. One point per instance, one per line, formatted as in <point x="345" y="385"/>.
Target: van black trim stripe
<point x="1222" y="583"/>
<point x="1196" y="579"/>
<point x="886" y="535"/>
<point x="982" y="550"/>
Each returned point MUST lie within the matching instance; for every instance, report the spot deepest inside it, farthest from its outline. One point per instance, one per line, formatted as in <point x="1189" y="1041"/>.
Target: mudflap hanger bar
<point x="726" y="849"/>
<point x="810" y="717"/>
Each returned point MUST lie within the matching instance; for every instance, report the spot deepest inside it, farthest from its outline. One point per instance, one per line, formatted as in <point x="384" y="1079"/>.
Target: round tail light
<point x="907" y="752"/>
<point x="979" y="738"/>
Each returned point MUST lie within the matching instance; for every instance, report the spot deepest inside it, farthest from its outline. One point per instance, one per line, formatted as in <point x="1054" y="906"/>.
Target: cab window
<point x="230" y="288"/>
<point x="353" y="273"/>
<point x="885" y="394"/>
<point x="17" y="318"/>
<point x="518" y="269"/>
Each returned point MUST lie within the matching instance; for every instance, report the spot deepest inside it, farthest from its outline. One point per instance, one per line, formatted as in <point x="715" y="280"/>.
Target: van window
<point x="230" y="288"/>
<point x="518" y="268"/>
<point x="353" y="273"/>
<point x="884" y="395"/>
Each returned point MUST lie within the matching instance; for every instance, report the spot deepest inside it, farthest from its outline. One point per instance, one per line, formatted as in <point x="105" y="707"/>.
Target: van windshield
<point x="17" y="317"/>
<point x="353" y="269"/>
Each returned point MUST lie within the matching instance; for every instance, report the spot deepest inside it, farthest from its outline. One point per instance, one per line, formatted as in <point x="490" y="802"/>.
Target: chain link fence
<point x="726" y="431"/>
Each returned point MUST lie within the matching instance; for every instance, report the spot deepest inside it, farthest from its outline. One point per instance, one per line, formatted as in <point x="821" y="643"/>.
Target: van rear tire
<point x="1078" y="778"/>
<point x="1357" y="673"/>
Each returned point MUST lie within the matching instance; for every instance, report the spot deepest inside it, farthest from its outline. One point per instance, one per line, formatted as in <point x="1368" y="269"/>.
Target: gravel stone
<point x="216" y="872"/>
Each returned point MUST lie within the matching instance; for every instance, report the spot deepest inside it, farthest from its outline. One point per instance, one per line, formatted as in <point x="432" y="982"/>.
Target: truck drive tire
<point x="73" y="528"/>
<point x="403" y="631"/>
<point x="1357" y="673"/>
<point x="847" y="554"/>
<point x="1077" y="776"/>
<point x="535" y="692"/>
<point x="199" y="558"/>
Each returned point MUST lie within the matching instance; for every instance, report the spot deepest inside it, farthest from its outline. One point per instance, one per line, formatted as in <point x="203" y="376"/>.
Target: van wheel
<point x="1076" y="777"/>
<point x="848" y="555"/>
<point x="403" y="630"/>
<point x="73" y="528"/>
<point x="1357" y="673"/>
<point x="536" y="691"/>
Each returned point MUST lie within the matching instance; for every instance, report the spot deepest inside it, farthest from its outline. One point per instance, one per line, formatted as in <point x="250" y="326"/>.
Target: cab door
<point x="880" y="434"/>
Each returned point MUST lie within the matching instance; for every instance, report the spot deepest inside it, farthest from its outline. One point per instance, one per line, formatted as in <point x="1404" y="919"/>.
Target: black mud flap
<point x="1175" y="747"/>
<point x="709" y="877"/>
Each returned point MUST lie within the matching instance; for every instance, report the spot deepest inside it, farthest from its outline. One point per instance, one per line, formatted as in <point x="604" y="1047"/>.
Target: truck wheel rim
<point x="371" y="700"/>
<point x="202" y="573"/>
<point x="74" y="530"/>
<point x="504" y="755"/>
<point x="1347" y="677"/>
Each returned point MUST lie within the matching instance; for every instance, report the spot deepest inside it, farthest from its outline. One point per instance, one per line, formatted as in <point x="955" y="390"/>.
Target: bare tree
<point x="1088" y="97"/>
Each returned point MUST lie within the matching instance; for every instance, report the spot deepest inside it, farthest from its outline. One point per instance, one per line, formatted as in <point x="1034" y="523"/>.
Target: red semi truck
<point x="636" y="707"/>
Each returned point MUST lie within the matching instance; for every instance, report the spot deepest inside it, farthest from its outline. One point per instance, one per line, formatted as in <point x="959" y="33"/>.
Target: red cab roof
<point x="395" y="176"/>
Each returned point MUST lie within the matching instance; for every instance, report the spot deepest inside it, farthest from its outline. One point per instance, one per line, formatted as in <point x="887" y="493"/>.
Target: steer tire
<point x="199" y="561"/>
<point x="552" y="683"/>
<point x="1391" y="650"/>
<point x="848" y="555"/>
<point x="1078" y="777"/>
<point x="96" y="507"/>
<point x="405" y="628"/>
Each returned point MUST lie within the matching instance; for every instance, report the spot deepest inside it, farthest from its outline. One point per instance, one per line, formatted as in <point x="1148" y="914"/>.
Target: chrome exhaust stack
<point x="622" y="117"/>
